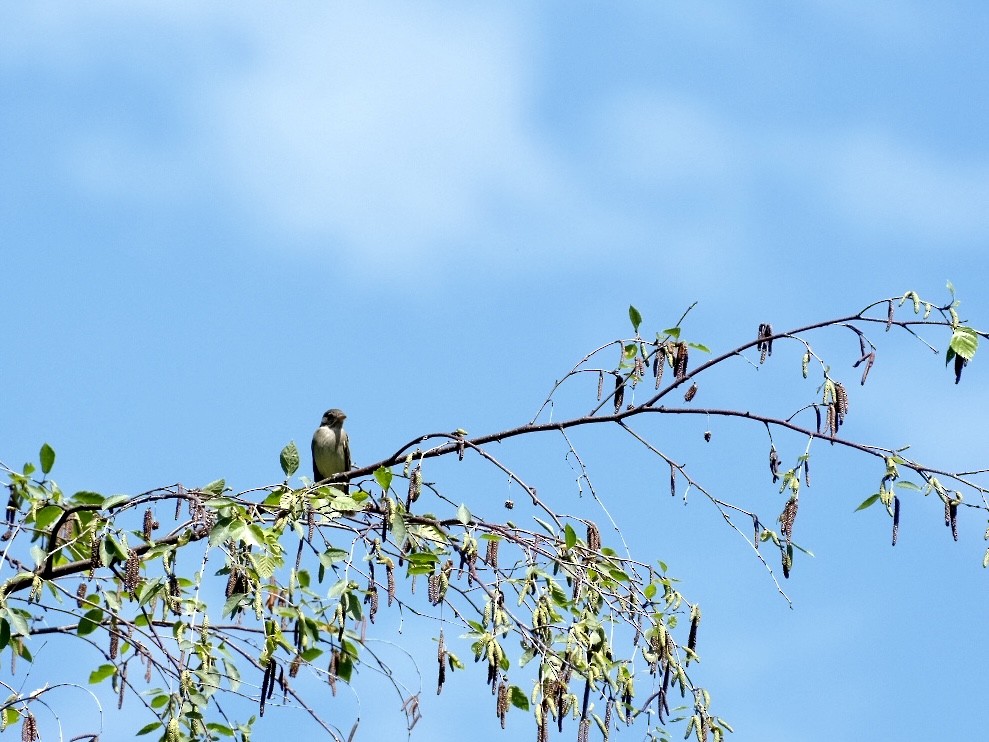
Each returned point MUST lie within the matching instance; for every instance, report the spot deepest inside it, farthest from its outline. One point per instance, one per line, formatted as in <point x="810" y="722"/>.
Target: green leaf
<point x="673" y="332"/>
<point x="383" y="476"/>
<point x="46" y="516"/>
<point x="216" y="487"/>
<point x="87" y="498"/>
<point x="519" y="699"/>
<point x="463" y="514"/>
<point x="904" y="484"/>
<point x="47" y="457"/>
<point x="101" y="673"/>
<point x="964" y="342"/>
<point x="147" y="728"/>
<point x="220" y="729"/>
<point x="698" y="346"/>
<point x="617" y="574"/>
<point x="289" y="459"/>
<point x="38" y="555"/>
<point x="650" y="591"/>
<point x="113" y="501"/>
<point x="951" y="288"/>
<point x="159" y="701"/>
<point x="569" y="536"/>
<point x="233" y="602"/>
<point x="89" y="621"/>
<point x="869" y="501"/>
<point x="633" y="314"/>
<point x="4" y="633"/>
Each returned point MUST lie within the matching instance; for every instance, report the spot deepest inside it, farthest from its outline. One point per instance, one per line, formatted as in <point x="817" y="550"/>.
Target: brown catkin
<point x="659" y="364"/>
<point x="896" y="518"/>
<point x="29" y="729"/>
<point x="787" y="517"/>
<point x="95" y="558"/>
<point x="149" y="521"/>
<point x="114" y="639"/>
<point x="390" y="573"/>
<point x="680" y="367"/>
<point x="619" y="391"/>
<point x="593" y="537"/>
<point x="81" y="595"/>
<point x="953" y="517"/>
<point x="841" y="398"/>
<point x="293" y="669"/>
<point x="132" y="572"/>
<point x="491" y="556"/>
<point x="690" y="393"/>
<point x="889" y="314"/>
<point x="501" y="705"/>
<point x="441" y="661"/>
<point x="600" y="384"/>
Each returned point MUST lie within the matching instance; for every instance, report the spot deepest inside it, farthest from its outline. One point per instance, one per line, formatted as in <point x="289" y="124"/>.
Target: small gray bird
<point x="330" y="448"/>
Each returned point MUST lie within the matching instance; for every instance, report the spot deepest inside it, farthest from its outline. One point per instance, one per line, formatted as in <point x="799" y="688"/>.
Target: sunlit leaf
<point x="47" y="457"/>
<point x="289" y="459"/>
<point x="633" y="314"/>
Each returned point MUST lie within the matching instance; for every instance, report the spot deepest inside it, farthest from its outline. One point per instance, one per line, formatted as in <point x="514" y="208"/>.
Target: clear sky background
<point x="217" y="220"/>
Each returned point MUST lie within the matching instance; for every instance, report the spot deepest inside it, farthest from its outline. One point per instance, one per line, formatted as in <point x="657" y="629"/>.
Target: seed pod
<point x="690" y="393"/>
<point x="695" y="620"/>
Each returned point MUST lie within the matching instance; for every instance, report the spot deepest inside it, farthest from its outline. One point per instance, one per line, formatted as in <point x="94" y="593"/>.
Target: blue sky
<point x="217" y="220"/>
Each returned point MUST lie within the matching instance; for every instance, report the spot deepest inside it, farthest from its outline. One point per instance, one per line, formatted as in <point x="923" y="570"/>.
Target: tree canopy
<point x="209" y="607"/>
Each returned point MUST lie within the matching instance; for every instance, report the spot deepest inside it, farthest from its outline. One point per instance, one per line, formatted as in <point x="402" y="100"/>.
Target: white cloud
<point x="393" y="131"/>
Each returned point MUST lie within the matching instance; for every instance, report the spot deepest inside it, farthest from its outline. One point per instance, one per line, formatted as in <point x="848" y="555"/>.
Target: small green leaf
<point x="519" y="699"/>
<point x="87" y="498"/>
<point x="113" y="501"/>
<point x="650" y="591"/>
<point x="90" y="621"/>
<point x="46" y="516"/>
<point x="951" y="288"/>
<point x="569" y="536"/>
<point x="463" y="514"/>
<point x="868" y="502"/>
<point x="289" y="459"/>
<point x="673" y="332"/>
<point x="4" y="633"/>
<point x="633" y="314"/>
<point x="216" y="487"/>
<point x="147" y="728"/>
<point x="383" y="476"/>
<point x="101" y="673"/>
<point x="47" y="457"/>
<point x="698" y="346"/>
<point x="617" y="574"/>
<point x="904" y="484"/>
<point x="964" y="342"/>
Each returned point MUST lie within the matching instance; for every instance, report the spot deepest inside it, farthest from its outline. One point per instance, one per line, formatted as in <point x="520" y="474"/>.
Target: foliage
<point x="603" y="637"/>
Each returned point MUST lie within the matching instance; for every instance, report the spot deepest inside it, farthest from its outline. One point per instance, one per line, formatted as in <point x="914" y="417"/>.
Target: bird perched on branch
<point x="330" y="447"/>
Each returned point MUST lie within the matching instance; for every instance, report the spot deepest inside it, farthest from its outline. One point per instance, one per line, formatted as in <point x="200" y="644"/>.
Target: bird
<point x="330" y="447"/>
